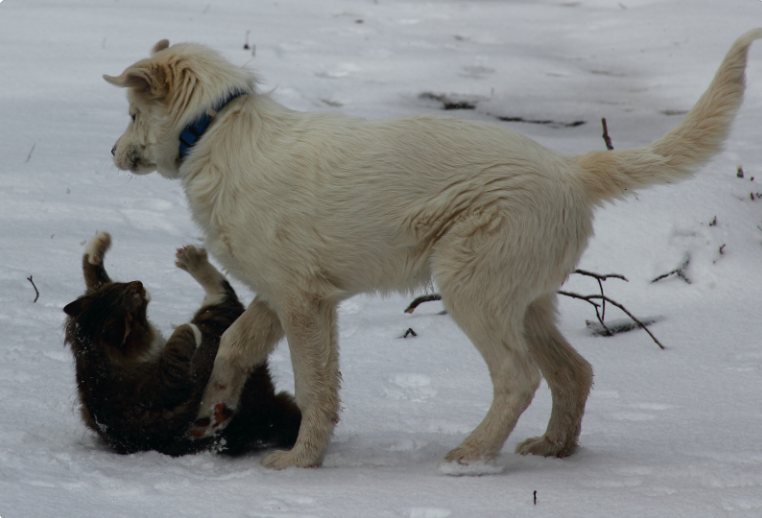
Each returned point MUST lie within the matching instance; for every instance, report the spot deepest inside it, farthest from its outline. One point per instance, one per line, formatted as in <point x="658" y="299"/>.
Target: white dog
<point x="309" y="209"/>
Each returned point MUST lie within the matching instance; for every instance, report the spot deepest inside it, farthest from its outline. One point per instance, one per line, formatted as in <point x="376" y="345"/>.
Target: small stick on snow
<point x="679" y="272"/>
<point x="600" y="279"/>
<point x="35" y="289"/>
<point x="410" y="332"/>
<point x="590" y="298"/>
<point x="420" y="300"/>
<point x="597" y="306"/>
<point x="606" y="137"/>
<point x="29" y="156"/>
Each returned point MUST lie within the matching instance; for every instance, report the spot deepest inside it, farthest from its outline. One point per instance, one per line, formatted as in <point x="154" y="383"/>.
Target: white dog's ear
<point x="146" y="78"/>
<point x="130" y="78"/>
<point x="161" y="45"/>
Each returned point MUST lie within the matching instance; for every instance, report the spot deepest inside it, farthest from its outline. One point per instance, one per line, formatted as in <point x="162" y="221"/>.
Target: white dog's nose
<point x="113" y="150"/>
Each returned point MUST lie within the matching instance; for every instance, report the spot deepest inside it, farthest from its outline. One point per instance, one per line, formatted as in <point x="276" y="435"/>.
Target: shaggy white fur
<point x="309" y="209"/>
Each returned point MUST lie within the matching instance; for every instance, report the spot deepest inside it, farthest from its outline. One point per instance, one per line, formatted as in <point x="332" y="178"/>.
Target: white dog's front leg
<point x="312" y="339"/>
<point x="242" y="347"/>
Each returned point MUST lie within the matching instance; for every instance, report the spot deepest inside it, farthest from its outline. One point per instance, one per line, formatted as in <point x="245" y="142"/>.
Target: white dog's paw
<point x="545" y="447"/>
<point x="473" y="469"/>
<point x="97" y="247"/>
<point x="466" y="454"/>
<point x="293" y="458"/>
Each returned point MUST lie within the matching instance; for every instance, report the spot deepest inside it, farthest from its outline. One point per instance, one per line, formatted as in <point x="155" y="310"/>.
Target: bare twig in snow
<point x="679" y="272"/>
<point x="420" y="300"/>
<point x="29" y="156"/>
<point x="36" y="291"/>
<point x="589" y="299"/>
<point x="600" y="279"/>
<point x="606" y="137"/>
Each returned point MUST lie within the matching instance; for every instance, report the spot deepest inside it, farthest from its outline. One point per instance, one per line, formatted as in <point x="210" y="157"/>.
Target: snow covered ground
<point x="667" y="433"/>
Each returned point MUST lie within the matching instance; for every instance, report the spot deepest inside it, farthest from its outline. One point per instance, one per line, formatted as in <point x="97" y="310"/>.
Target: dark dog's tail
<point x="92" y="261"/>
<point x="675" y="156"/>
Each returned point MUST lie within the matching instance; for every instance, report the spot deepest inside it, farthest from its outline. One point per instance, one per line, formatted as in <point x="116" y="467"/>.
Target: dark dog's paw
<point x="97" y="248"/>
<point x="190" y="258"/>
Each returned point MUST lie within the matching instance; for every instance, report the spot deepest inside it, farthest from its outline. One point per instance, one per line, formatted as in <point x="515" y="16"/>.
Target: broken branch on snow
<point x="606" y="137"/>
<point x="36" y="291"/>
<point x="679" y="272"/>
<point x="589" y="299"/>
<point x="420" y="300"/>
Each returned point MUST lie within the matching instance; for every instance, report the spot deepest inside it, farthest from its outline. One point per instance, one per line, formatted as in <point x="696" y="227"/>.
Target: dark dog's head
<point x="167" y="92"/>
<point x="112" y="321"/>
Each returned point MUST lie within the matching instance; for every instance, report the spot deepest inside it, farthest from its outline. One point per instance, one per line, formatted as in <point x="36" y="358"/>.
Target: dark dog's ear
<point x="146" y="77"/>
<point x="79" y="306"/>
<point x="161" y="45"/>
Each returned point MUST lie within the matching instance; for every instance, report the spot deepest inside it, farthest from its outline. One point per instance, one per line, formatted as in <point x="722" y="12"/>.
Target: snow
<point x="666" y="433"/>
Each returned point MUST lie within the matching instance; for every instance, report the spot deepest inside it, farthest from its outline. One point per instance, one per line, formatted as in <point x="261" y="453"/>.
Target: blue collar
<point x="195" y="130"/>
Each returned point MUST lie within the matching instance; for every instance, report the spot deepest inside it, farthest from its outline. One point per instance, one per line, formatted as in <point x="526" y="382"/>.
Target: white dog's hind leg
<point x="515" y="379"/>
<point x="243" y="346"/>
<point x="488" y="304"/>
<point x="569" y="377"/>
<point x="311" y="332"/>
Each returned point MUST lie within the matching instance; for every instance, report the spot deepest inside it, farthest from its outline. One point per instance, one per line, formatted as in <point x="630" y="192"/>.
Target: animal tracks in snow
<point x="427" y="512"/>
<point x="641" y="412"/>
<point x="476" y="72"/>
<point x="412" y="387"/>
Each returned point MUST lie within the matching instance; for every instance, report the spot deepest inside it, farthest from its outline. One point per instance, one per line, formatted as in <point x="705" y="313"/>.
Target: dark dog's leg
<point x="175" y="364"/>
<point x="196" y="262"/>
<point x="92" y="261"/>
<point x="220" y="309"/>
<point x="264" y="417"/>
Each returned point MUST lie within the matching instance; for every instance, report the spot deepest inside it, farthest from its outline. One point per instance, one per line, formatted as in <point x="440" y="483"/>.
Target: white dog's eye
<point x="134" y="116"/>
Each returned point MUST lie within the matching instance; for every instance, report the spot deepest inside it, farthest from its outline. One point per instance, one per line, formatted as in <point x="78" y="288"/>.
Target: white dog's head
<point x="167" y="92"/>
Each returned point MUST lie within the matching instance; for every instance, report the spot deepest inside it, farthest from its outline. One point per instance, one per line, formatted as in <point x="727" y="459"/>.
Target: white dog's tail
<point x="676" y="155"/>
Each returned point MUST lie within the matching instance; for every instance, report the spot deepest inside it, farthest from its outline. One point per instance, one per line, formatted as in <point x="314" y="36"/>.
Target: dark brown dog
<point x="140" y="393"/>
